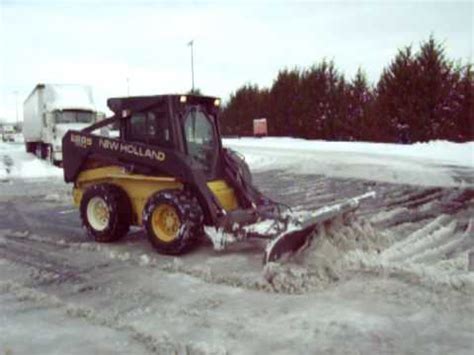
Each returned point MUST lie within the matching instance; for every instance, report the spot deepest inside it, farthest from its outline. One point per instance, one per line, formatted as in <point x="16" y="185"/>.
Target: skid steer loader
<point x="169" y="173"/>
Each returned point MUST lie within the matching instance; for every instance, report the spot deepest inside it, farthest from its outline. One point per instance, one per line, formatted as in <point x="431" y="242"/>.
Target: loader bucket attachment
<point x="287" y="242"/>
<point x="300" y="235"/>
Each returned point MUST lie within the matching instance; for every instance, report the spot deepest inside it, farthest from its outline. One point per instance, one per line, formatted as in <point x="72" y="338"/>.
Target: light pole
<point x="191" y="44"/>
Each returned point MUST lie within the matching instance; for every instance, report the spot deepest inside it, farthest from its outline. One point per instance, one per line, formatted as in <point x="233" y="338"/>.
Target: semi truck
<point x="50" y="111"/>
<point x="8" y="132"/>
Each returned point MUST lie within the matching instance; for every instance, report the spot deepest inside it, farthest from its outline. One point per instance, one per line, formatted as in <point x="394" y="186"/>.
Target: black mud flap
<point x="288" y="242"/>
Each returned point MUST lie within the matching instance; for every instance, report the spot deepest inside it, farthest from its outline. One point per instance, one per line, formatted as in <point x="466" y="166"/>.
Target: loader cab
<point x="187" y="124"/>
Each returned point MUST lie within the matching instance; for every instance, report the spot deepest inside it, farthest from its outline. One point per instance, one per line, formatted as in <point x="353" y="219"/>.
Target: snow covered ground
<point x="16" y="163"/>
<point x="437" y="163"/>
<point x="396" y="280"/>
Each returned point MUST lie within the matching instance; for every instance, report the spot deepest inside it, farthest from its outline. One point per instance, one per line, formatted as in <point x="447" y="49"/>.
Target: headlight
<point x="217" y="102"/>
<point x="183" y="99"/>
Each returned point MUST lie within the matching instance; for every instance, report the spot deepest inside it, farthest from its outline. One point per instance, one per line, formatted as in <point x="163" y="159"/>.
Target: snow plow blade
<point x="299" y="235"/>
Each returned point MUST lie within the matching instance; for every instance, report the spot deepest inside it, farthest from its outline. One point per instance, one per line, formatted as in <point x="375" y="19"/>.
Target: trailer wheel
<point x="173" y="221"/>
<point x="49" y="155"/>
<point x="105" y="212"/>
<point x="30" y="147"/>
<point x="39" y="150"/>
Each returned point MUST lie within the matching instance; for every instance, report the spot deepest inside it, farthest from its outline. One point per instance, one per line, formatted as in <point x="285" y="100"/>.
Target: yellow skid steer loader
<point x="168" y="172"/>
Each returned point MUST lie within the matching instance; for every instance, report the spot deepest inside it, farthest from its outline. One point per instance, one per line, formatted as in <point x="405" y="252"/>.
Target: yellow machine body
<point x="140" y="188"/>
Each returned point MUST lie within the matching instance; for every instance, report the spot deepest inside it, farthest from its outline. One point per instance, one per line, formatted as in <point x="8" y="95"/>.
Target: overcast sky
<point x="102" y="42"/>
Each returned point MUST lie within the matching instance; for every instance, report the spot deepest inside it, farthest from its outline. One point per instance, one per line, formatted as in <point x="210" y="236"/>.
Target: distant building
<point x="260" y="127"/>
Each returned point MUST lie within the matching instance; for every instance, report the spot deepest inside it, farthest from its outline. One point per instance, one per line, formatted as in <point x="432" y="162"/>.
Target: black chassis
<point x="82" y="146"/>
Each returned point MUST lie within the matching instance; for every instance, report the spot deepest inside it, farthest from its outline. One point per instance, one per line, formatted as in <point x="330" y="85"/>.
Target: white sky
<point x="103" y="42"/>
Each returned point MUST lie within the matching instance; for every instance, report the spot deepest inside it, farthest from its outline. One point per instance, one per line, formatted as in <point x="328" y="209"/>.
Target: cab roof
<point x="140" y="103"/>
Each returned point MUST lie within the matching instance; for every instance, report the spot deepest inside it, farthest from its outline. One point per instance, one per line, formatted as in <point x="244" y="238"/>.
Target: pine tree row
<point x="420" y="96"/>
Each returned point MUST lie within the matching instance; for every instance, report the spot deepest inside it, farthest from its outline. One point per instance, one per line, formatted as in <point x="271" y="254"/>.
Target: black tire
<point x="39" y="151"/>
<point x="119" y="212"/>
<point x="30" y="147"/>
<point x="44" y="151"/>
<point x="48" y="153"/>
<point x="190" y="216"/>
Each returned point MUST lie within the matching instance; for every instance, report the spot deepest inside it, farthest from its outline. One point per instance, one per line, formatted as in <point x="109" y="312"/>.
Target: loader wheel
<point x="105" y="212"/>
<point x="173" y="221"/>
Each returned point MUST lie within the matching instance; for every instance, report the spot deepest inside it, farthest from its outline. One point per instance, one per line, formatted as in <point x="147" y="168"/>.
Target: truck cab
<point x="8" y="133"/>
<point x="58" y="122"/>
<point x="50" y="111"/>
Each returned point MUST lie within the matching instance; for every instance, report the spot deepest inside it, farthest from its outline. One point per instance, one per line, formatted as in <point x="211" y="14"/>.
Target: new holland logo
<point x="132" y="149"/>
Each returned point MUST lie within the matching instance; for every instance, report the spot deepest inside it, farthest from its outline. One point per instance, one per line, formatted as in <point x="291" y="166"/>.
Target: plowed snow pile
<point x="433" y="256"/>
<point x="324" y="260"/>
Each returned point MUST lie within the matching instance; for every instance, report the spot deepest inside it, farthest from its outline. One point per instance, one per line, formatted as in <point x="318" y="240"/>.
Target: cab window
<point x="150" y="128"/>
<point x="200" y="137"/>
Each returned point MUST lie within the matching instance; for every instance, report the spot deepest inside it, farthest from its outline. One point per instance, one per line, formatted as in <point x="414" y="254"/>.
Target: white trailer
<point x="50" y="111"/>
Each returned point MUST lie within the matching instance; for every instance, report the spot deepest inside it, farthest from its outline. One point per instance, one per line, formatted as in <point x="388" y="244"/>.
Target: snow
<point x="435" y="163"/>
<point x="358" y="288"/>
<point x="161" y="306"/>
<point x="15" y="163"/>
<point x="442" y="152"/>
<point x="70" y="97"/>
<point x="324" y="261"/>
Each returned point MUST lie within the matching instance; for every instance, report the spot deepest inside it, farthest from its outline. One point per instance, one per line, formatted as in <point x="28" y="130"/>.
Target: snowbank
<point x="437" y="163"/>
<point x="441" y="152"/>
<point x="15" y="163"/>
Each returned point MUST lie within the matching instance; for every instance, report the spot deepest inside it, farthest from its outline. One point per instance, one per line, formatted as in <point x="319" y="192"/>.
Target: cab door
<point x="201" y="140"/>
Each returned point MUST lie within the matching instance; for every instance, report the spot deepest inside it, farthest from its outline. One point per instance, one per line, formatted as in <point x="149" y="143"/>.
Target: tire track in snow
<point x="403" y="211"/>
<point x="429" y="226"/>
<point x="156" y="343"/>
<point x="173" y="265"/>
<point x="6" y="163"/>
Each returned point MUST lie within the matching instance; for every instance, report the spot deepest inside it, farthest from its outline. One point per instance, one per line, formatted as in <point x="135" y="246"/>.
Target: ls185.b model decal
<point x="81" y="141"/>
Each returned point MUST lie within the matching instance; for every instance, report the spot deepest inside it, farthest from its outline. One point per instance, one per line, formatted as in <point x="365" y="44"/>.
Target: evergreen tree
<point x="358" y="124"/>
<point x="244" y="105"/>
<point x="418" y="97"/>
<point x="436" y="85"/>
<point x="195" y="91"/>
<point x="283" y="104"/>
<point x="464" y="104"/>
<point x="322" y="101"/>
<point x="396" y="98"/>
